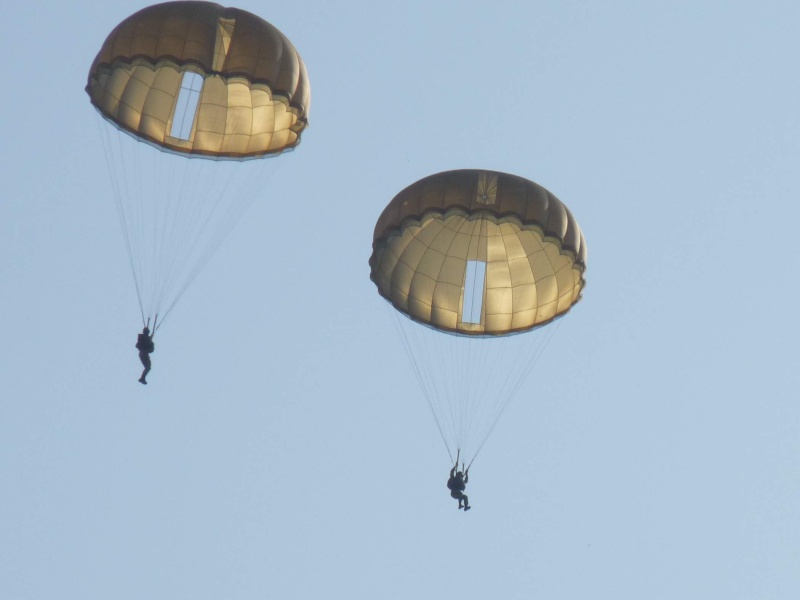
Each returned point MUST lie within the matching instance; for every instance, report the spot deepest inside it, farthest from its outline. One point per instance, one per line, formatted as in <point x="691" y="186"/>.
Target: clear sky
<point x="283" y="448"/>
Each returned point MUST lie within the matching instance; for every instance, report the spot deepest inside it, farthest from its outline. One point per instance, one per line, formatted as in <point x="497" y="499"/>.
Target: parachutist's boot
<point x="466" y="508"/>
<point x="142" y="381"/>
<point x="459" y="505"/>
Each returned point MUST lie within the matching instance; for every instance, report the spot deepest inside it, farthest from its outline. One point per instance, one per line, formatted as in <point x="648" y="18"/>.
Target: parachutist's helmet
<point x="459" y="474"/>
<point x="146" y="331"/>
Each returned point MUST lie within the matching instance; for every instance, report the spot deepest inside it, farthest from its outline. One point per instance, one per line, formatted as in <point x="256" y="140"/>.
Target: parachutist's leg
<point x="466" y="503"/>
<point x="145" y="358"/>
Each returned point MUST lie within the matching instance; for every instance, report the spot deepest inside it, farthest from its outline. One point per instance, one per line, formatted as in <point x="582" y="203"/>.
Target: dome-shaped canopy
<point x="477" y="252"/>
<point x="201" y="79"/>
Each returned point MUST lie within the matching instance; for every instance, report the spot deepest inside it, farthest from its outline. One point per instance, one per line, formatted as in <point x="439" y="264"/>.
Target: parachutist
<point x="457" y="484"/>
<point x="145" y="345"/>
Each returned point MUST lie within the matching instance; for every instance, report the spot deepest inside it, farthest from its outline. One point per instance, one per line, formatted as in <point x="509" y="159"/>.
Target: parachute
<point x="182" y="81"/>
<point x="467" y="259"/>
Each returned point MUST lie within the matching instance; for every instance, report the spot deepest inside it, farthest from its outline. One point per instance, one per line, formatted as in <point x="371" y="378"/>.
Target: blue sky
<point x="283" y="448"/>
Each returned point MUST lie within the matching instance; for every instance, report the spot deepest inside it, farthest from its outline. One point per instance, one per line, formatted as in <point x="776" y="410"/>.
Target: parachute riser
<point x="156" y="325"/>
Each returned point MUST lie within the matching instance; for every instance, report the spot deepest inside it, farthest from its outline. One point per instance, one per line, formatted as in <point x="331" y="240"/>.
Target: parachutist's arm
<point x="453" y="472"/>
<point x="466" y="478"/>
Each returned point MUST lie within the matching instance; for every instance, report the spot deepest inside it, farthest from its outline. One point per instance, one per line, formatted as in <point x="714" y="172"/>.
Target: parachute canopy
<point x="479" y="255"/>
<point x="193" y="80"/>
<point x="476" y="253"/>
<point x="200" y="79"/>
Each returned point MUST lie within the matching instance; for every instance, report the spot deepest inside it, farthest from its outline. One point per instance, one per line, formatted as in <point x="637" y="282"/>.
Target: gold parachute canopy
<point x="478" y="253"/>
<point x="200" y="79"/>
